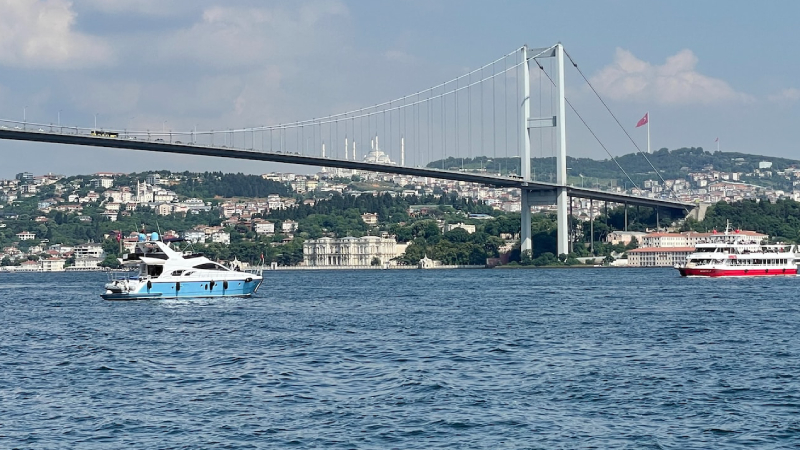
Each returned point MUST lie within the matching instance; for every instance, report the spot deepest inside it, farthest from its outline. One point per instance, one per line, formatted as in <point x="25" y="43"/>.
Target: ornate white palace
<point x="349" y="251"/>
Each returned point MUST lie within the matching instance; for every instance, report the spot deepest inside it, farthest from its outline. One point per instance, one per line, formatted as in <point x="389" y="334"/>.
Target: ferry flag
<point x="643" y="120"/>
<point x="716" y="140"/>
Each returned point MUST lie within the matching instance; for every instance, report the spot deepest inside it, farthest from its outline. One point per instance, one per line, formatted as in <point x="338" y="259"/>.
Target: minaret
<point x="402" y="151"/>
<point x="324" y="169"/>
<point x="345" y="148"/>
<point x="354" y="151"/>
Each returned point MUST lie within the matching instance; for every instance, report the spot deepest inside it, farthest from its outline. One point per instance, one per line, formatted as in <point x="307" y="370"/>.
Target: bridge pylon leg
<point x="561" y="158"/>
<point x="562" y="220"/>
<point x="526" y="242"/>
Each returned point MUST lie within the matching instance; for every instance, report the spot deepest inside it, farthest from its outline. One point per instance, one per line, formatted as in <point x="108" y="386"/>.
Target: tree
<point x="111" y="262"/>
<point x="457" y="235"/>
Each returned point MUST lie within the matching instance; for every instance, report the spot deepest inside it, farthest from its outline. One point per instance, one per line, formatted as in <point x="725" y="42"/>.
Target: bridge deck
<point x="292" y="158"/>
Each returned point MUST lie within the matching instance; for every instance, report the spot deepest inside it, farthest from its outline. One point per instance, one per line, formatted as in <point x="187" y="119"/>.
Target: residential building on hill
<point x="452" y="226"/>
<point x="26" y="236"/>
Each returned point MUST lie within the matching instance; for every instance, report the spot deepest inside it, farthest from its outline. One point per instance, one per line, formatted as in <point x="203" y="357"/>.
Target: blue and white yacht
<point x="164" y="273"/>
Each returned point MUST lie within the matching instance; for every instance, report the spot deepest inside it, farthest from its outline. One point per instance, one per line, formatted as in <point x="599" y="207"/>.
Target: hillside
<point x="672" y="164"/>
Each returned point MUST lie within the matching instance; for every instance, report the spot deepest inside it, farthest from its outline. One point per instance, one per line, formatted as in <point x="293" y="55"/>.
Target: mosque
<point x="377" y="156"/>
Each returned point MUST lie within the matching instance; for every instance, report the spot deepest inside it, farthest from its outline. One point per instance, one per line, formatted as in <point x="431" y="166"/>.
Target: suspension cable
<point x="671" y="188"/>
<point x="587" y="126"/>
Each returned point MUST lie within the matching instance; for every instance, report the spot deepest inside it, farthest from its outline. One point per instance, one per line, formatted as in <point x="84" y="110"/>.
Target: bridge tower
<point x="530" y="197"/>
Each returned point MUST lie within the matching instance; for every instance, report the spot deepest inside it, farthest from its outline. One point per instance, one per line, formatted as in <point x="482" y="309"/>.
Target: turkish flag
<point x="642" y="121"/>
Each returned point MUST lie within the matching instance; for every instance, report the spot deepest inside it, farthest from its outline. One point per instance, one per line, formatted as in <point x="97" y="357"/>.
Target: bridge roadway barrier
<point x="293" y="158"/>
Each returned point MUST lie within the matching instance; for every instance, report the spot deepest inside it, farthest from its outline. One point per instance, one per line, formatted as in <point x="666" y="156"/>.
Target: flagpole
<point x="648" y="132"/>
<point x="717" y="144"/>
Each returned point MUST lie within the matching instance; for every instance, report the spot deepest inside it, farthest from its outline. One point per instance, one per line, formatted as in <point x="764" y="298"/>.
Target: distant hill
<point x="670" y="163"/>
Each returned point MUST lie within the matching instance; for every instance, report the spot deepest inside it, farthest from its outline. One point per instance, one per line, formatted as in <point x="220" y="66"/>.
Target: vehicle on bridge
<point x="108" y="134"/>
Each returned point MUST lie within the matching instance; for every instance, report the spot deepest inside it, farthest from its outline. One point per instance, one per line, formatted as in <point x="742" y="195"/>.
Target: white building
<point x="274" y="202"/>
<point x="26" y="236"/>
<point x="103" y="182"/>
<point x="89" y="251"/>
<point x="164" y="209"/>
<point x="153" y="179"/>
<point x="87" y="263"/>
<point x="690" y="238"/>
<point x="164" y="195"/>
<point x="452" y="226"/>
<point x="52" y="265"/>
<point x="349" y="251"/>
<point x="370" y="218"/>
<point x="289" y="226"/>
<point x="221" y="237"/>
<point x="194" y="236"/>
<point x="658" y="256"/>
<point x="263" y="227"/>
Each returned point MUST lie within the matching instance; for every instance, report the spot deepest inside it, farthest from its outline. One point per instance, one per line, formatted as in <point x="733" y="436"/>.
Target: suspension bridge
<point x="485" y="113"/>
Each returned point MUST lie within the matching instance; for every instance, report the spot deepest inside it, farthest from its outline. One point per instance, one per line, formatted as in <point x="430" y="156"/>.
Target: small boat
<point x="163" y="273"/>
<point x="731" y="254"/>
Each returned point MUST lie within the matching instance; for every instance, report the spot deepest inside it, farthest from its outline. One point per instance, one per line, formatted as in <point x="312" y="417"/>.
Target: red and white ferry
<point x="731" y="254"/>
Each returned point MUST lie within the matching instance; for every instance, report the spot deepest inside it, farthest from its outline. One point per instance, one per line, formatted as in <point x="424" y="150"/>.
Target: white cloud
<point x="39" y="34"/>
<point x="239" y="36"/>
<point x="676" y="82"/>
<point x="144" y="7"/>
<point x="786" y="95"/>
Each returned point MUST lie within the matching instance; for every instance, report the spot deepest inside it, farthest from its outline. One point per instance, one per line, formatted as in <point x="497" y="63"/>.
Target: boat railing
<point x="255" y="270"/>
<point x="124" y="276"/>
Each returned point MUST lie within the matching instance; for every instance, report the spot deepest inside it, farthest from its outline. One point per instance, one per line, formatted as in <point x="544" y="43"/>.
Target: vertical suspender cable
<point x="443" y="126"/>
<point x="494" y="122"/>
<point x="469" y="115"/>
<point x="517" y="108"/>
<point x="483" y="149"/>
<point x="505" y="99"/>
<point x="457" y="151"/>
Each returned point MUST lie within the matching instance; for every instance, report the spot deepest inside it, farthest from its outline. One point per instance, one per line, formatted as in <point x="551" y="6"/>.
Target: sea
<point x="406" y="359"/>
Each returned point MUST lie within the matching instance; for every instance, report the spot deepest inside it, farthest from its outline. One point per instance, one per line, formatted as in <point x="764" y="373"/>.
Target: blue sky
<point x="703" y="69"/>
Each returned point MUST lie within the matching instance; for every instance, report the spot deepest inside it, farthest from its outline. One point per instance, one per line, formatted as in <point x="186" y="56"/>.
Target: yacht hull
<point x="194" y="289"/>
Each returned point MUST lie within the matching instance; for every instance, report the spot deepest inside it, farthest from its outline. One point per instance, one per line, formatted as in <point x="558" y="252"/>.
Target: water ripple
<point x="592" y="358"/>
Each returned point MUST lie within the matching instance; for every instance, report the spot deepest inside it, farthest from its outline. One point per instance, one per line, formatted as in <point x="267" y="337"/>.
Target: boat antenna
<point x="160" y="236"/>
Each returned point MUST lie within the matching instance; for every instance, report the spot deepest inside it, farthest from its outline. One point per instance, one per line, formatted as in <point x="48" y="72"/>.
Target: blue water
<point x="594" y="358"/>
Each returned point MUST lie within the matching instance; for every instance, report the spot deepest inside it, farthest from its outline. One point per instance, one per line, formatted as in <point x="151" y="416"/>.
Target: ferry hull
<point x="697" y="272"/>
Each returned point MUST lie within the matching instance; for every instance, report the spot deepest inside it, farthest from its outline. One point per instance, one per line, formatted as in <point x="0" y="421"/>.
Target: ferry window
<point x="177" y="273"/>
<point x="188" y="273"/>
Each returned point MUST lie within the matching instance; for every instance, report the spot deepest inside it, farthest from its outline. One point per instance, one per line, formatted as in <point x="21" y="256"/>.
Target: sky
<point x="703" y="70"/>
